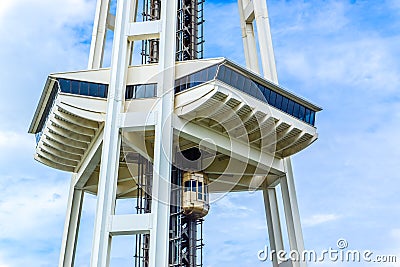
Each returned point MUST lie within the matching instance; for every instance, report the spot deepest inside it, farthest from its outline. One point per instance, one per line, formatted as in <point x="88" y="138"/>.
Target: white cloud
<point x="293" y="17"/>
<point x="38" y="37"/>
<point x="15" y="147"/>
<point x="29" y="213"/>
<point x="14" y="140"/>
<point x="5" y="6"/>
<point x="318" y="219"/>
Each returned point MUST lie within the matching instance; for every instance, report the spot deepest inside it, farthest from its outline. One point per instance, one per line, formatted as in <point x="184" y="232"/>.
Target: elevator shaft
<point x="186" y="242"/>
<point x="189" y="33"/>
<point x="186" y="232"/>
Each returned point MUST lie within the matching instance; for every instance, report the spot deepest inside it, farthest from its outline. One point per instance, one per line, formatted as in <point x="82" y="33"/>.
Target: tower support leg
<point x="273" y="222"/>
<point x="71" y="226"/>
<point x="106" y="194"/>
<point x="99" y="35"/>
<point x="292" y="214"/>
<point x="257" y="11"/>
<point x="159" y="237"/>
<point x="249" y="40"/>
<point x="265" y="40"/>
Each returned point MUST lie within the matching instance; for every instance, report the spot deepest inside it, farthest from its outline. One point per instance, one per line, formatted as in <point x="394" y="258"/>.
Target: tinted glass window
<point x="234" y="78"/>
<point x="84" y="88"/>
<point x="130" y="92"/>
<point x="312" y="120"/>
<point x="180" y="85"/>
<point x="285" y="102"/>
<point x="194" y="186"/>
<point x="200" y="191"/>
<point x="65" y="85"/>
<point x="75" y="87"/>
<point x="197" y="78"/>
<point x="302" y="113"/>
<point x="240" y="82"/>
<point x="261" y="91"/>
<point x="140" y="91"/>
<point x="149" y="90"/>
<point x="94" y="89"/>
<point x="103" y="90"/>
<point x="247" y="87"/>
<point x="211" y="72"/>
<point x="227" y="75"/>
<point x="308" y="115"/>
<point x="266" y="93"/>
<point x="296" y="110"/>
<point x="278" y="102"/>
<point x="187" y="186"/>
<point x="184" y="83"/>
<point x="272" y="98"/>
<point x="257" y="92"/>
<point x="221" y="73"/>
<point x="290" y="107"/>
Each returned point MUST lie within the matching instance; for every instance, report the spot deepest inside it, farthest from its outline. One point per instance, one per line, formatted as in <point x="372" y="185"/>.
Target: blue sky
<point x="342" y="55"/>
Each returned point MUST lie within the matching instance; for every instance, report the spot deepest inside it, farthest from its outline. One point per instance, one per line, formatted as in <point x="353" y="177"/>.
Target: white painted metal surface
<point x="250" y="12"/>
<point x="159" y="238"/>
<point x="106" y="195"/>
<point x="82" y="132"/>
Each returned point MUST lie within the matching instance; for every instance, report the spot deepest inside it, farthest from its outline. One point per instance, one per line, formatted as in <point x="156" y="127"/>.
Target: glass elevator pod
<point x="195" y="200"/>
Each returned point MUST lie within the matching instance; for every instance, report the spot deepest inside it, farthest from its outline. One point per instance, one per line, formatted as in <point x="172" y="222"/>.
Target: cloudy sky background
<point x="342" y="55"/>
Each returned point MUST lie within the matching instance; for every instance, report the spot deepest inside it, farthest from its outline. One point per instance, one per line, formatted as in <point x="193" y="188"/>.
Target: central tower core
<point x="189" y="35"/>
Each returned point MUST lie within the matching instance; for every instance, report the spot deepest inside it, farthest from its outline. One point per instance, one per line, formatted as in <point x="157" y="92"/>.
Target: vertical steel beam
<point x="106" y="194"/>
<point x="290" y="191"/>
<point x="273" y="222"/>
<point x="265" y="40"/>
<point x="159" y="238"/>
<point x="75" y="199"/>
<point x="270" y="225"/>
<point x="99" y="35"/>
<point x="289" y="196"/>
<point x="71" y="226"/>
<point x="249" y="40"/>
<point x="287" y="204"/>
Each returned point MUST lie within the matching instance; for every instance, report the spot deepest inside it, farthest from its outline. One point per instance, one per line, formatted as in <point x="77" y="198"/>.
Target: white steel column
<point x="259" y="12"/>
<point x="273" y="222"/>
<point x="287" y="204"/>
<point x="99" y="35"/>
<point x="265" y="40"/>
<point x="75" y="199"/>
<point x="106" y="194"/>
<point x="159" y="237"/>
<point x="249" y="40"/>
<point x="291" y="189"/>
<point x="71" y="226"/>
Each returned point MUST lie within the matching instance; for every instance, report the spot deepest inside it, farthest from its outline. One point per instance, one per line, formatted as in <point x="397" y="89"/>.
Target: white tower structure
<point x="134" y="131"/>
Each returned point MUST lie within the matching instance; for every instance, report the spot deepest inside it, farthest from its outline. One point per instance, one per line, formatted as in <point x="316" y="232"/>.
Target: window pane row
<point x="46" y="113"/>
<point x="196" y="78"/>
<point x="83" y="88"/>
<point x="191" y="186"/>
<point x="141" y="91"/>
<point x="265" y="94"/>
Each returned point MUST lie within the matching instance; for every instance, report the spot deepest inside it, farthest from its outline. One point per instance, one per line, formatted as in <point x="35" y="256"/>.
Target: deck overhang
<point x="249" y="136"/>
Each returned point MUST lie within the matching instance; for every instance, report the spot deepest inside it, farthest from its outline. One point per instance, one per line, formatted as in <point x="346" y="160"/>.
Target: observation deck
<point x="212" y="97"/>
